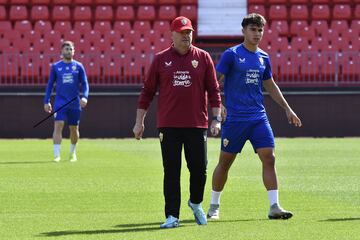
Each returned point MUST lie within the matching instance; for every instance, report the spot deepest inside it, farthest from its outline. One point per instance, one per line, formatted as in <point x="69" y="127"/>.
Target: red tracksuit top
<point x="185" y="82"/>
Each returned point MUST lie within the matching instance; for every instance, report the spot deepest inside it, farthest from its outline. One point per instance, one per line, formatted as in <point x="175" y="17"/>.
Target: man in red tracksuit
<point x="185" y="77"/>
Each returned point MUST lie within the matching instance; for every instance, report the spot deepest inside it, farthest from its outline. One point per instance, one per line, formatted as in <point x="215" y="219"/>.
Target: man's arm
<point x="49" y="87"/>
<point x="275" y="93"/>
<point x="139" y="126"/>
<point x="85" y="88"/>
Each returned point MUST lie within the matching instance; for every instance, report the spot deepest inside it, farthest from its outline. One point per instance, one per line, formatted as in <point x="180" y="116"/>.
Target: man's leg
<point x="73" y="116"/>
<point x="57" y="137"/>
<point x="195" y="146"/>
<point x="171" y="146"/>
<point x="74" y="137"/>
<point x="218" y="182"/>
<point x="267" y="158"/>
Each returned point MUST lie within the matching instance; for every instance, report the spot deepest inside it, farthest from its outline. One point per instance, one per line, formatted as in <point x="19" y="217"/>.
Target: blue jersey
<point x="244" y="72"/>
<point x="67" y="77"/>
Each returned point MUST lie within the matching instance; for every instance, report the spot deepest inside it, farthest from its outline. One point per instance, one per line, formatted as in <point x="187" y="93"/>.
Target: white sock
<point x="273" y="197"/>
<point x="215" y="197"/>
<point x="57" y="150"/>
<point x="72" y="149"/>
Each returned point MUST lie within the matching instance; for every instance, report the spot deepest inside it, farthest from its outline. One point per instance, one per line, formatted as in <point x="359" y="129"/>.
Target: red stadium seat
<point x="18" y="13"/>
<point x="73" y="36"/>
<point x="103" y="2"/>
<point x="125" y="13"/>
<point x="341" y="12"/>
<point x="123" y="27"/>
<point x="342" y="1"/>
<point x="62" y="27"/>
<point x="54" y="37"/>
<point x="189" y="11"/>
<point x="277" y="12"/>
<point x="39" y="12"/>
<point x="4" y="46"/>
<point x="146" y="13"/>
<point x="147" y="2"/>
<point x="257" y="9"/>
<point x="2" y="13"/>
<point x="61" y="2"/>
<point x="320" y="27"/>
<point x="186" y="2"/>
<point x="340" y="44"/>
<point x="297" y="26"/>
<point x="162" y="43"/>
<point x="274" y="2"/>
<point x="320" y="12"/>
<point x="82" y="27"/>
<point x="142" y="45"/>
<point x="281" y="27"/>
<point x="82" y="13"/>
<point x="298" y="2"/>
<point x="40" y="2"/>
<point x="162" y="29"/>
<point x="299" y="44"/>
<point x="102" y="27"/>
<point x="167" y="2"/>
<point x="320" y="44"/>
<point x="127" y="2"/>
<point x="256" y="2"/>
<point x="355" y="25"/>
<point x="5" y="26"/>
<point x="41" y="46"/>
<point x="22" y="45"/>
<point x="167" y="13"/>
<point x="319" y="1"/>
<point x="23" y="26"/>
<point x="18" y="2"/>
<point x="42" y="27"/>
<point x="61" y="13"/>
<point x="142" y="26"/>
<point x="341" y="26"/>
<point x="104" y="13"/>
<point x="82" y="2"/>
<point x="92" y="37"/>
<point x="299" y="12"/>
<point x="357" y="11"/>
<point x="278" y="44"/>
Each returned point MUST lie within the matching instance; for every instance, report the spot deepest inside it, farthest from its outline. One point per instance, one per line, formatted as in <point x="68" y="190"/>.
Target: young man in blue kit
<point x="68" y="75"/>
<point x="247" y="69"/>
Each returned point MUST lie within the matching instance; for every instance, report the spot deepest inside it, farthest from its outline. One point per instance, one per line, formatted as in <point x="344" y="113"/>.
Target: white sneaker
<point x="170" y="222"/>
<point x="214" y="212"/>
<point x="277" y="212"/>
<point x="73" y="158"/>
<point x="199" y="214"/>
<point x="57" y="159"/>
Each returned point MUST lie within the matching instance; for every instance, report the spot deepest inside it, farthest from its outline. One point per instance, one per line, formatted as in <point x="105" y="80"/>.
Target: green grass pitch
<point x="114" y="191"/>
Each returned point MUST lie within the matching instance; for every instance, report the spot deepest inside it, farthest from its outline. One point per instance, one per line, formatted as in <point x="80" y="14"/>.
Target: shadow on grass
<point x="340" y="219"/>
<point x="30" y="162"/>
<point x="127" y="228"/>
<point x="131" y="227"/>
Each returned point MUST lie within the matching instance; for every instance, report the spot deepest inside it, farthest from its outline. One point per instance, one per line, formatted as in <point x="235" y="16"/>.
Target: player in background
<point x="247" y="69"/>
<point x="185" y="77"/>
<point x="68" y="75"/>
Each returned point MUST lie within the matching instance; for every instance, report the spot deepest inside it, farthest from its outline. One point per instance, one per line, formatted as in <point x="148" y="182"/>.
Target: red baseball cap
<point x="180" y="24"/>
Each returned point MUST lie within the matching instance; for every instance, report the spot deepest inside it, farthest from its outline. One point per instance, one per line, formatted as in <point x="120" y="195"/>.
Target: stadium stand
<point x="117" y="39"/>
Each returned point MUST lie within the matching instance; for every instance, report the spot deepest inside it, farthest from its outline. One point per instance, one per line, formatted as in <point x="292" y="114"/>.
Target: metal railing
<point x="289" y="68"/>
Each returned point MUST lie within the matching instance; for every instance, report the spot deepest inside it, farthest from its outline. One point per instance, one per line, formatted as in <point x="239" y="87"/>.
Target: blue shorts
<point x="71" y="116"/>
<point x="235" y="134"/>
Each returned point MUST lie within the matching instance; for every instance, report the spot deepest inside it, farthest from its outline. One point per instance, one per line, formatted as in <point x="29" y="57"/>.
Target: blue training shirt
<point x="244" y="72"/>
<point x="67" y="78"/>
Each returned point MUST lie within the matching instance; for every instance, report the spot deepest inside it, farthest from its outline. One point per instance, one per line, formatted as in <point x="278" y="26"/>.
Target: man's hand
<point x="138" y="130"/>
<point x="48" y="108"/>
<point x="293" y="118"/>
<point x="83" y="102"/>
<point x="223" y="113"/>
<point x="215" y="127"/>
